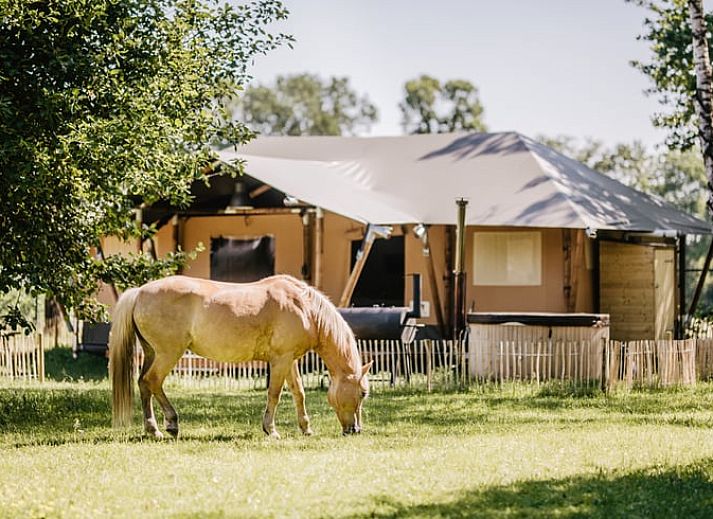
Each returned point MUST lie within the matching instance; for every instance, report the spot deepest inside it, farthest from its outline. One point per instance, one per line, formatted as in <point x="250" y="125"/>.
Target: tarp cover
<point x="508" y="179"/>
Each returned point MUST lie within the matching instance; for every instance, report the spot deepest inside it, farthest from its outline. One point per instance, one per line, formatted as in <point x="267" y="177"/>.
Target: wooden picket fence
<point x="421" y="365"/>
<point x="578" y="361"/>
<point x="22" y="357"/>
<point x="653" y="364"/>
<point x="431" y="364"/>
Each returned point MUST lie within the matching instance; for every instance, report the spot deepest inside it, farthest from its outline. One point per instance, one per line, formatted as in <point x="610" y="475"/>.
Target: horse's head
<point x="346" y="395"/>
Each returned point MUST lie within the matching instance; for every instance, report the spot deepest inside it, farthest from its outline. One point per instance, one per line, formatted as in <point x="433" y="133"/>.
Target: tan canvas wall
<point x="549" y="296"/>
<point x="287" y="230"/>
<point x="339" y="232"/>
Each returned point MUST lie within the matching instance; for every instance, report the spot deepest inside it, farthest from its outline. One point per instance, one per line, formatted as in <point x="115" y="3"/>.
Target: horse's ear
<point x="366" y="367"/>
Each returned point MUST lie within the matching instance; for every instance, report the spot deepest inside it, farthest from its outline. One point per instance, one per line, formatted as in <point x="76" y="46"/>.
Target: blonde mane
<point x="330" y="325"/>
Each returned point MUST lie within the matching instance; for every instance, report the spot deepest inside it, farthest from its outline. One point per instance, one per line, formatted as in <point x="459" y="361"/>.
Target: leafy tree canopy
<point x="106" y="104"/>
<point x="432" y="107"/>
<point x="304" y="104"/>
<point x="671" y="67"/>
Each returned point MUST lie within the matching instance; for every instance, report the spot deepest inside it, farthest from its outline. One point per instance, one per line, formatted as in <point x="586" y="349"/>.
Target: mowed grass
<point x="518" y="451"/>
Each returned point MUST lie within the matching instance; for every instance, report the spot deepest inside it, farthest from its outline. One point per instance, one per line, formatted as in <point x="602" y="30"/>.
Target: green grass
<point x="518" y="451"/>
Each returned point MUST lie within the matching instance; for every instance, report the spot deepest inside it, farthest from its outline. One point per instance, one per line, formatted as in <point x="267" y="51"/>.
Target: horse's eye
<point x="364" y="394"/>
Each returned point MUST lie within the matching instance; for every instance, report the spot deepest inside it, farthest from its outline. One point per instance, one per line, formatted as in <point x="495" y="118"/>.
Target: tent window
<point x="242" y="259"/>
<point x="507" y="258"/>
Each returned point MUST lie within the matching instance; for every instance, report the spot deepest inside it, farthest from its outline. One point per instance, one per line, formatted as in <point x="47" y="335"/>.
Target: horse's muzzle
<point x="354" y="429"/>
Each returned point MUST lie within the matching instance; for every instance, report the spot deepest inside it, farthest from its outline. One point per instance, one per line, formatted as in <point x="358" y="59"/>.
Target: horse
<point x="277" y="319"/>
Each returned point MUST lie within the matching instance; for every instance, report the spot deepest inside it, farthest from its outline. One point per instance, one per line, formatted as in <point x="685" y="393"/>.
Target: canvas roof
<point x="509" y="180"/>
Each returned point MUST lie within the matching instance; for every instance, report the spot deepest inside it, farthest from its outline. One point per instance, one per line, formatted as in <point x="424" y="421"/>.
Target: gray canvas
<point x="509" y="180"/>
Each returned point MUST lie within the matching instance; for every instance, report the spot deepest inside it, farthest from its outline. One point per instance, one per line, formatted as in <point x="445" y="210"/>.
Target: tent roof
<point x="509" y="180"/>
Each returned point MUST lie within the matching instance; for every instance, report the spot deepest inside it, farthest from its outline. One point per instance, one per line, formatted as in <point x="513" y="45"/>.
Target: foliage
<point x="671" y="67"/>
<point x="432" y="107"/>
<point x="304" y="104"/>
<point x="105" y="105"/>
<point x="492" y="452"/>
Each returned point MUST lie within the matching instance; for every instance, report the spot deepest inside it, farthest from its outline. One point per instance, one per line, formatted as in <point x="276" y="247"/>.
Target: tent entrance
<point x="382" y="282"/>
<point x="242" y="259"/>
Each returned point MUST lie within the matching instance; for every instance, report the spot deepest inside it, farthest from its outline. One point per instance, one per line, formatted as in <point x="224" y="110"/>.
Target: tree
<point x="304" y="104"/>
<point x="703" y="98"/>
<point x="680" y="62"/>
<point x="105" y="105"/>
<point x="432" y="107"/>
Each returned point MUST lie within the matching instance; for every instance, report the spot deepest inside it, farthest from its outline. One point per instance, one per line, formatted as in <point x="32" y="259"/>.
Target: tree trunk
<point x="704" y="90"/>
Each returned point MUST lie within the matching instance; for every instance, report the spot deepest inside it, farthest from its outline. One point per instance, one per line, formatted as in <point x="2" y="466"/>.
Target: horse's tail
<point x="121" y="358"/>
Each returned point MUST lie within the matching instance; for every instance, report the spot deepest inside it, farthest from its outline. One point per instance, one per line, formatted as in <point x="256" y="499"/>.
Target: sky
<point x="543" y="67"/>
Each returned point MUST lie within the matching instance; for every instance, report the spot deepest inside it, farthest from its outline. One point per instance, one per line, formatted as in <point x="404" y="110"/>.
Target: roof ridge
<point x="536" y="158"/>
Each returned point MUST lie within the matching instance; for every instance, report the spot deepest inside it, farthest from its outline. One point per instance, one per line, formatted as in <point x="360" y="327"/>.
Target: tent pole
<point x="459" y="273"/>
<point x="681" y="287"/>
<point x="318" y="247"/>
<point x="434" y="286"/>
<point x="701" y="280"/>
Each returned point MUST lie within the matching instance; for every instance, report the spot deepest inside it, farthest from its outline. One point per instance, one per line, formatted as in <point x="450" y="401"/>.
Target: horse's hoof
<point x="156" y="435"/>
<point x="308" y="432"/>
<point x="173" y="433"/>
<point x="274" y="435"/>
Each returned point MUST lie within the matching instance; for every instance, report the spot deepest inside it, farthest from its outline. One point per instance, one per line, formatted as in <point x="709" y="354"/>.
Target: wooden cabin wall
<point x="627" y="289"/>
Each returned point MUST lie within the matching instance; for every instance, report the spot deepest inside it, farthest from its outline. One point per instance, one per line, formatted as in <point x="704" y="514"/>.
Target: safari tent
<point x="355" y="216"/>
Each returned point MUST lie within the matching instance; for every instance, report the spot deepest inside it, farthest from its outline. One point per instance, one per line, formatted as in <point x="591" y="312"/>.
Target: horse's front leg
<point x="279" y="370"/>
<point x="298" y="393"/>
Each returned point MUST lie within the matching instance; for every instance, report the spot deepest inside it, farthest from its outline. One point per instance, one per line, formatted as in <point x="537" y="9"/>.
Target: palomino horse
<point x="276" y="319"/>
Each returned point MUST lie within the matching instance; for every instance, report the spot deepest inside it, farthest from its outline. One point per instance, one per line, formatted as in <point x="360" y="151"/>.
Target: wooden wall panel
<point x="627" y="290"/>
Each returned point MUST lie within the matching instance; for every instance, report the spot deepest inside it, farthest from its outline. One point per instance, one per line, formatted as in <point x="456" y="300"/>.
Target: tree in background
<point x="672" y="69"/>
<point x="432" y="107"/>
<point x="105" y="105"/>
<point x="679" y="70"/>
<point x="304" y="104"/>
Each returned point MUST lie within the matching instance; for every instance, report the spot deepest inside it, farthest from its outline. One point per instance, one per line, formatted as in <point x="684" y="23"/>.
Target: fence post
<point x="428" y="365"/>
<point x="605" y="364"/>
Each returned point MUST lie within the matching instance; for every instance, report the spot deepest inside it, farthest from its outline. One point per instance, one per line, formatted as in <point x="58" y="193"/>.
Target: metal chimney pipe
<point x="459" y="276"/>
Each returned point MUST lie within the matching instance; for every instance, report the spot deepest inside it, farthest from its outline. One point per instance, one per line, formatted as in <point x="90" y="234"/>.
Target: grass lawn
<point x="514" y="452"/>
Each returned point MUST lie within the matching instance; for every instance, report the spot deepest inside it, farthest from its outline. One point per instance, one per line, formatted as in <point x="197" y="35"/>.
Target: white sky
<point x="542" y="66"/>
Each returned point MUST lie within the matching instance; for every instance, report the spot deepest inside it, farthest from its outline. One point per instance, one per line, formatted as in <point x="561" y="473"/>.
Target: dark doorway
<point x="382" y="280"/>
<point x="241" y="260"/>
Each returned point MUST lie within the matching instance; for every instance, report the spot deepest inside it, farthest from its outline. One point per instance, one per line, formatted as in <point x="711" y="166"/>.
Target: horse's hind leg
<point x="160" y="368"/>
<point x="150" y="425"/>
<point x="279" y="370"/>
<point x="298" y="393"/>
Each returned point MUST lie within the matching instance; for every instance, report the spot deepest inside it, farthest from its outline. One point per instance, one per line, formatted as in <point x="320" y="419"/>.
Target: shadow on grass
<point x="61" y="366"/>
<point x="54" y="415"/>
<point x="685" y="491"/>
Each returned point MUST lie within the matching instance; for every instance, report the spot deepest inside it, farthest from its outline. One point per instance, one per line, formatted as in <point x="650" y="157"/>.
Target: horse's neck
<point x="337" y="363"/>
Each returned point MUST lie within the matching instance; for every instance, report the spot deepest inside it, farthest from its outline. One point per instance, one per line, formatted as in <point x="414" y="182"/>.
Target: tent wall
<point x="549" y="296"/>
<point x="339" y="232"/>
<point x="287" y="230"/>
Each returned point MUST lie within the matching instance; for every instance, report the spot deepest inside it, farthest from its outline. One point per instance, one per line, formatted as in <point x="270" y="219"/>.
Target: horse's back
<point x="225" y="321"/>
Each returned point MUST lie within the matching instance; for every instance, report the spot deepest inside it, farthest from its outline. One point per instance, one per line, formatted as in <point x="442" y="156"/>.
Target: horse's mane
<point x="330" y="324"/>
